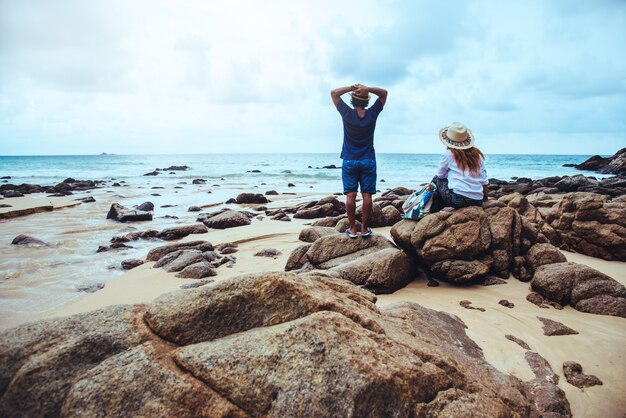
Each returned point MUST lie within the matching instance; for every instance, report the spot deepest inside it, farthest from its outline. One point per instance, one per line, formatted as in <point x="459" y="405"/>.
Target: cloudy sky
<point x="131" y="77"/>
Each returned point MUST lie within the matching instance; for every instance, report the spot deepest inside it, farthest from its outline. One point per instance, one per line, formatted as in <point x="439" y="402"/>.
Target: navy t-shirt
<point x="358" y="134"/>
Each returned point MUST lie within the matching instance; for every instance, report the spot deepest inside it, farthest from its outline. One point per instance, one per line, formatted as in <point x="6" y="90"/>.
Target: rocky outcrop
<point x="274" y="345"/>
<point x="65" y="188"/>
<point x="574" y="375"/>
<point x="582" y="287"/>
<point x="122" y="214"/>
<point x="610" y="165"/>
<point x="374" y="262"/>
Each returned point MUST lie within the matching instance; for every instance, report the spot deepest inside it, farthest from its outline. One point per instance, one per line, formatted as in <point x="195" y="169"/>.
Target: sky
<point x="159" y="77"/>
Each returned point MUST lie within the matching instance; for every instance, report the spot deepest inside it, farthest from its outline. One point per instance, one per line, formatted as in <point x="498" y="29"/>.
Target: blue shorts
<point x="355" y="172"/>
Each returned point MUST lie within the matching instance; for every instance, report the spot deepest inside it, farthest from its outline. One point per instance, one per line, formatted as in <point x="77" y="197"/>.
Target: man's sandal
<point x="350" y="234"/>
<point x="366" y="234"/>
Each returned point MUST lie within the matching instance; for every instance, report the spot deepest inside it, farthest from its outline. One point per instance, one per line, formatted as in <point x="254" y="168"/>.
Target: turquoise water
<point x="276" y="169"/>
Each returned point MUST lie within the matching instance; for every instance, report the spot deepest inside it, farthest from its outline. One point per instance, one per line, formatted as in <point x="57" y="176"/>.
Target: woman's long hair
<point x="468" y="159"/>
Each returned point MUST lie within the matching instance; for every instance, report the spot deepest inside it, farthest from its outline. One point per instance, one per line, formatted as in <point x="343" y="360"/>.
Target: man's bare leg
<point x="351" y="210"/>
<point x="367" y="212"/>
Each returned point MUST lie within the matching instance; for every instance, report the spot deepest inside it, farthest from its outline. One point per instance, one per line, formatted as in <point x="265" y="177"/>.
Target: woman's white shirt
<point x="463" y="183"/>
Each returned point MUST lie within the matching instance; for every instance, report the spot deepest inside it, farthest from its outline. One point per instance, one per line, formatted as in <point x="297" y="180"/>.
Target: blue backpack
<point x="418" y="204"/>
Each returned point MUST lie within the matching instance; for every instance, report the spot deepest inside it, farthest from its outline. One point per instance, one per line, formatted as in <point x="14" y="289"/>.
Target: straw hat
<point x="357" y="97"/>
<point x="456" y="136"/>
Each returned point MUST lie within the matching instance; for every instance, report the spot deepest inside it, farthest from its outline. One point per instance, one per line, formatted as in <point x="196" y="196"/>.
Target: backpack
<point x="418" y="204"/>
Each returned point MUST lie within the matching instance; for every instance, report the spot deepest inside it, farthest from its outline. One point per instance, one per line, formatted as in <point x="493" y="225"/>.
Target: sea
<point x="37" y="280"/>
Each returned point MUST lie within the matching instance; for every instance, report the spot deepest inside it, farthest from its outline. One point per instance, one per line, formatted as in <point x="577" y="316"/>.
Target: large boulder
<point x="28" y="241"/>
<point x="582" y="287"/>
<point x="274" y="345"/>
<point x="120" y="213"/>
<point x="313" y="233"/>
<point x="611" y="165"/>
<point x="227" y="219"/>
<point x="373" y="262"/>
<point x="377" y="218"/>
<point x="157" y="253"/>
<point x="326" y="207"/>
<point x="178" y="232"/>
<point x="251" y="198"/>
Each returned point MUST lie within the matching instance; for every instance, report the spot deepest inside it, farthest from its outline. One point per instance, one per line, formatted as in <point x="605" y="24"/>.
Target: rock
<point x="131" y="263"/>
<point x="89" y="199"/>
<point x="178" y="232"/>
<point x="197" y="270"/>
<point x="198" y="181"/>
<point x="196" y="284"/>
<point x="152" y="173"/>
<point x="459" y="271"/>
<point x="271" y="193"/>
<point x="227" y="219"/>
<point x="574" y="183"/>
<point x="518" y="341"/>
<point x="542" y="302"/>
<point x="90" y="288"/>
<point x="29" y="241"/>
<point x="222" y="246"/>
<point x="328" y="206"/>
<point x="506" y="304"/>
<point x="195" y="352"/>
<point x="391" y="215"/>
<point x="344" y="224"/>
<point x="176" y="168"/>
<point x="313" y="233"/>
<point x="551" y="328"/>
<point x="157" y="253"/>
<point x="543" y="390"/>
<point x="268" y="252"/>
<point x="467" y="304"/>
<point x="194" y="209"/>
<point x="12" y="193"/>
<point x="611" y="165"/>
<point x="135" y="235"/>
<point x="146" y="206"/>
<point x="229" y="250"/>
<point x="298" y="258"/>
<point x="251" y="198"/>
<point x="492" y="281"/>
<point x="281" y="217"/>
<point x="333" y="250"/>
<point x="330" y="221"/>
<point x="584" y="288"/>
<point x="574" y="375"/>
<point x="291" y="185"/>
<point x="542" y="254"/>
<point x="121" y="214"/>
<point x="113" y="246"/>
<point x="178" y="260"/>
<point x="231" y="201"/>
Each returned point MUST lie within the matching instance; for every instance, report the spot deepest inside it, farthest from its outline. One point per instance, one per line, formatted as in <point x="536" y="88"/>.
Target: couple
<point x="461" y="179"/>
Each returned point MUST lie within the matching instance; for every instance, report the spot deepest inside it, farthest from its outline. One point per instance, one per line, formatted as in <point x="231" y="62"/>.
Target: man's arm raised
<point x="381" y="93"/>
<point x="339" y="91"/>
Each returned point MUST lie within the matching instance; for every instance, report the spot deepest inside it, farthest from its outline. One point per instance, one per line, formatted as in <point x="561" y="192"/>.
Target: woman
<point x="461" y="179"/>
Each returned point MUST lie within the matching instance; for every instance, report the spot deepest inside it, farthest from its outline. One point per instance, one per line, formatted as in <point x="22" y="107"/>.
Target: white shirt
<point x="463" y="183"/>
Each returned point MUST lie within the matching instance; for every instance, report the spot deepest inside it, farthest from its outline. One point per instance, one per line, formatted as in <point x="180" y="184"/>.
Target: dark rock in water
<point x="231" y="201"/>
<point x="113" y="246"/>
<point x="551" y="328"/>
<point x="5" y="177"/>
<point x="610" y="165"/>
<point x="467" y="304"/>
<point x="146" y="206"/>
<point x="152" y="173"/>
<point x="227" y="219"/>
<point x="197" y="270"/>
<point x="90" y="288"/>
<point x="313" y="328"/>
<point x="574" y="375"/>
<point x="582" y="287"/>
<point x="518" y="341"/>
<point x="250" y="198"/>
<point x="5" y="206"/>
<point x="196" y="284"/>
<point x="178" y="232"/>
<point x="168" y="206"/>
<point x="131" y="263"/>
<point x="506" y="303"/>
<point x="122" y="214"/>
<point x="12" y="193"/>
<point x="291" y="185"/>
<point x="194" y="209"/>
<point x="253" y="171"/>
<point x="135" y="235"/>
<point x="198" y="181"/>
<point x="332" y="166"/>
<point x="28" y="240"/>
<point x="271" y="193"/>
<point x="268" y="252"/>
<point x="176" y="168"/>
<point x="89" y="199"/>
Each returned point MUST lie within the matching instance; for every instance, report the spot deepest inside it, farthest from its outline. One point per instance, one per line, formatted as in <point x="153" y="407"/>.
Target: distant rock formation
<point x="609" y="165"/>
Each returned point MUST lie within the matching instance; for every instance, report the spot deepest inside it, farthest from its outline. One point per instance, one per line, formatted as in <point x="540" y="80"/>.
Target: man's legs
<point x="351" y="210"/>
<point x="367" y="212"/>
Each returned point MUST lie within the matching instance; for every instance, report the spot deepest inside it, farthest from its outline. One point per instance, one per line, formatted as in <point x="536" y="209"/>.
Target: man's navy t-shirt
<point x="358" y="134"/>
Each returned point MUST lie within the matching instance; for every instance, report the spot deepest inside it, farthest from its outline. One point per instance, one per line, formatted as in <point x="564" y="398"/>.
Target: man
<point x="359" y="157"/>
